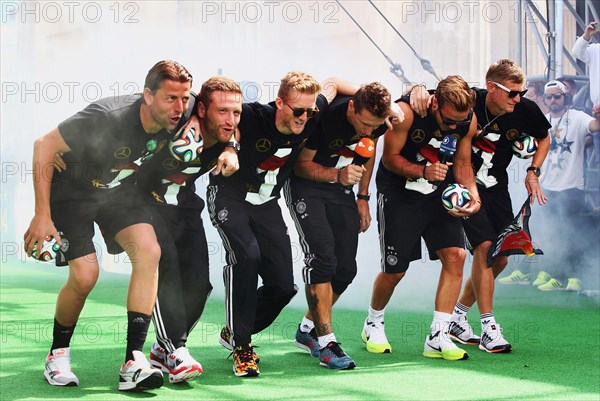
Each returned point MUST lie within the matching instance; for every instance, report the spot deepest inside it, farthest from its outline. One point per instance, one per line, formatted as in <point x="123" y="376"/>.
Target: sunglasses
<point x="449" y="122"/>
<point x="298" y="112"/>
<point x="511" y="93"/>
<point x="554" y="96"/>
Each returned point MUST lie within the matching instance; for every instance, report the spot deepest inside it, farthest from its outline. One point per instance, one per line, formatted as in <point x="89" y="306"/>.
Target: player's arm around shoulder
<point x="463" y="171"/>
<point x="393" y="143"/>
<point x="333" y="86"/>
<point x="228" y="162"/>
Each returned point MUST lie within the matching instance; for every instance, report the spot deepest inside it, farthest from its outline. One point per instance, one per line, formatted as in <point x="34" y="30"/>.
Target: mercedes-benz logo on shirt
<point x="170" y="163"/>
<point x="263" y="145"/>
<point x="122" y="153"/>
<point x="336" y="144"/>
<point x="417" y="135"/>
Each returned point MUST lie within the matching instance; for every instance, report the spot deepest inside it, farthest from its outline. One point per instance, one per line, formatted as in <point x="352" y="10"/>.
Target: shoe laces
<point x="61" y="363"/>
<point x="335" y="348"/>
<point x="182" y="354"/>
<point x="243" y="353"/>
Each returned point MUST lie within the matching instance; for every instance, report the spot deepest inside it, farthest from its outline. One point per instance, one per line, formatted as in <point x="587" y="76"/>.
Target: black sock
<point x="61" y="335"/>
<point x="137" y="330"/>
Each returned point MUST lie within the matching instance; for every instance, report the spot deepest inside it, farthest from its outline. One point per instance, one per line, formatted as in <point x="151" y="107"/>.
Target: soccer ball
<point x="184" y="147"/>
<point x="455" y="195"/>
<point x="524" y="146"/>
<point x="49" y="249"/>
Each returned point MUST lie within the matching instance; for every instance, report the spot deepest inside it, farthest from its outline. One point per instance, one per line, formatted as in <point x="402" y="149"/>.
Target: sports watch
<point x="536" y="170"/>
<point x="233" y="144"/>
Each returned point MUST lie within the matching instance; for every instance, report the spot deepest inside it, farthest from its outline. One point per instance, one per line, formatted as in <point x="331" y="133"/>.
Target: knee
<point x="392" y="279"/>
<point x="453" y="260"/>
<point x="82" y="281"/>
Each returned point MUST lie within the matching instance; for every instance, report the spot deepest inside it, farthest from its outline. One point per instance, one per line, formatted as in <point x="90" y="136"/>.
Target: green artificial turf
<point x="555" y="337"/>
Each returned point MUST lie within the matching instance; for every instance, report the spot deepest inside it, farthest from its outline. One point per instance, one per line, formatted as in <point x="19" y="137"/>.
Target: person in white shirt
<point x="590" y="54"/>
<point x="563" y="183"/>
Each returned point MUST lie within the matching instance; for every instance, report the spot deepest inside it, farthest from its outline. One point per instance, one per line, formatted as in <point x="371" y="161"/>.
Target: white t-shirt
<point x="563" y="167"/>
<point x="590" y="54"/>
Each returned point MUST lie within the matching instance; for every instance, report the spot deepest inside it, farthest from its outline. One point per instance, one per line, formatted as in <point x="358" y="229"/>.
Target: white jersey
<point x="563" y="168"/>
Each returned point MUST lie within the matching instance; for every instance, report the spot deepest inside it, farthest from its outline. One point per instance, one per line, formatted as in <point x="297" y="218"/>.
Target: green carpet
<point x="555" y="337"/>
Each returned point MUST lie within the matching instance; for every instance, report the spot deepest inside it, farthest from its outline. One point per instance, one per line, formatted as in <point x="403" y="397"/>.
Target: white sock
<point x="376" y="315"/>
<point x="486" y="320"/>
<point x="326" y="339"/>
<point x="307" y="325"/>
<point x="440" y="322"/>
<point x="460" y="311"/>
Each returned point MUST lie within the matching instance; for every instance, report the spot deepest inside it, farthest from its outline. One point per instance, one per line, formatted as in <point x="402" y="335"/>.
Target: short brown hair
<point x="166" y="70"/>
<point x="373" y="97"/>
<point x="455" y="91"/>
<point x="505" y="70"/>
<point x="217" y="84"/>
<point x="299" y="82"/>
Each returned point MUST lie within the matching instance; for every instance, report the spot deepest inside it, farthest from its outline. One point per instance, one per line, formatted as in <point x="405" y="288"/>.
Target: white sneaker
<point x="182" y="366"/>
<point x="137" y="374"/>
<point x="158" y="358"/>
<point x="461" y="331"/>
<point x="493" y="341"/>
<point x="373" y="334"/>
<point x="58" y="368"/>
<point x="439" y="345"/>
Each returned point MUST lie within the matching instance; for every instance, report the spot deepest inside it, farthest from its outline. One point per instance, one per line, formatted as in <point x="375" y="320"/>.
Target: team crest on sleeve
<point x="512" y="134"/>
<point x="263" y="145"/>
<point x="212" y="164"/>
<point x="417" y="135"/>
<point x="170" y="163"/>
<point x="336" y="144"/>
<point x="222" y="215"/>
<point x="437" y="133"/>
<point x="122" y="153"/>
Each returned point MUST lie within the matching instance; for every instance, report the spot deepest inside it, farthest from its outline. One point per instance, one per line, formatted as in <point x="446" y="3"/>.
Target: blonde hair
<point x="455" y="92"/>
<point x="217" y="84"/>
<point x="297" y="81"/>
<point x="505" y="70"/>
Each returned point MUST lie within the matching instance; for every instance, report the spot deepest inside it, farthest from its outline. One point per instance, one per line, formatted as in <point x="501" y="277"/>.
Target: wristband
<point x="424" y="167"/>
<point x="365" y="197"/>
<point x="339" y="175"/>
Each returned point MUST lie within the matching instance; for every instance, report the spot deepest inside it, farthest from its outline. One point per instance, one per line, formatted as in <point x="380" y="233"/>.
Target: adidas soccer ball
<point x="524" y="146"/>
<point x="49" y="249"/>
<point x="184" y="147"/>
<point x="455" y="195"/>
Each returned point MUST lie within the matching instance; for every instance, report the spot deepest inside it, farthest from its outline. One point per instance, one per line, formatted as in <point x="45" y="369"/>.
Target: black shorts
<point x="74" y="212"/>
<point x="495" y="214"/>
<point x="402" y="222"/>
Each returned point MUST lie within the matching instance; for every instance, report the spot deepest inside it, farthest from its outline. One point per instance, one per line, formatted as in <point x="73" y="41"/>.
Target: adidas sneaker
<point x="516" y="278"/>
<point x="493" y="341"/>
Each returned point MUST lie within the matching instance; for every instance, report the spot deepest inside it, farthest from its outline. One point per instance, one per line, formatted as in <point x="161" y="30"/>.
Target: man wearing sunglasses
<point x="563" y="183"/>
<point x="409" y="208"/>
<point x="245" y="212"/>
<point x="503" y="115"/>
<point x="327" y="215"/>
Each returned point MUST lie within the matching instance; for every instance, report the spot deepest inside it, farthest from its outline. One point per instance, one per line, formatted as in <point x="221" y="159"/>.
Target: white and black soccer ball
<point x="184" y="147"/>
<point x="49" y="249"/>
<point x="455" y="195"/>
<point x="524" y="146"/>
